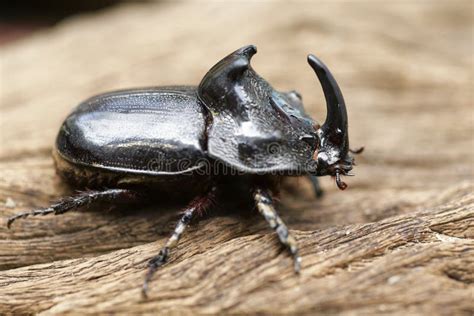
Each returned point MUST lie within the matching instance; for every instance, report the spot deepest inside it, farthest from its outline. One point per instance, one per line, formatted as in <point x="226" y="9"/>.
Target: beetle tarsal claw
<point x="153" y="265"/>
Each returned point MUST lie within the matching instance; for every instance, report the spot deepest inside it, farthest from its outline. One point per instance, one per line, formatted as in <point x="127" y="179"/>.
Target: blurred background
<point x="21" y="18"/>
<point x="405" y="69"/>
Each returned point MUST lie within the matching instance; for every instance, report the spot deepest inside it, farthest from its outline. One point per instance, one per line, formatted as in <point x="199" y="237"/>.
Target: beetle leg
<point x="197" y="206"/>
<point x="265" y="206"/>
<point x="73" y="202"/>
<point x="318" y="192"/>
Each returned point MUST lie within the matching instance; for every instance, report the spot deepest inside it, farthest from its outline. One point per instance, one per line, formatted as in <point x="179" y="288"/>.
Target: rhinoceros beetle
<point x="232" y="128"/>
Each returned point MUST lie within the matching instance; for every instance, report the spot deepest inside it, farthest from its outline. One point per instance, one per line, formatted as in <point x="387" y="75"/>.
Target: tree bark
<point x="400" y="239"/>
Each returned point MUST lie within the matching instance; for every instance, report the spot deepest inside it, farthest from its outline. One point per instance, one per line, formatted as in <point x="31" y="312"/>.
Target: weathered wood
<point x="400" y="239"/>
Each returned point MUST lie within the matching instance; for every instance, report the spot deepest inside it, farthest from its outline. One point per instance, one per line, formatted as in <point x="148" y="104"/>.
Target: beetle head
<point x="333" y="156"/>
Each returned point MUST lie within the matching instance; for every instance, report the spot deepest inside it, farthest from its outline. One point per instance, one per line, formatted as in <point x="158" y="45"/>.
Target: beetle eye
<point x="310" y="140"/>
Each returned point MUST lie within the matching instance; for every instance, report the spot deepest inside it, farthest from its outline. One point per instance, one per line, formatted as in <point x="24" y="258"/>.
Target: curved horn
<point x="334" y="129"/>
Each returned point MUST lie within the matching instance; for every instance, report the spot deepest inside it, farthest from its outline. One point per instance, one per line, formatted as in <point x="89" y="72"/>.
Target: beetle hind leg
<point x="264" y="203"/>
<point x="76" y="201"/>
<point x="196" y="207"/>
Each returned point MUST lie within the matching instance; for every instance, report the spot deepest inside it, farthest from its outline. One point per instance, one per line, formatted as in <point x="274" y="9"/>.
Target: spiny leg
<point x="76" y="201"/>
<point x="197" y="206"/>
<point x="265" y="206"/>
<point x="316" y="186"/>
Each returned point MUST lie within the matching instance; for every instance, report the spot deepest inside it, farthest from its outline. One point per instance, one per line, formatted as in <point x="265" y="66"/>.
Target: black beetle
<point x="232" y="128"/>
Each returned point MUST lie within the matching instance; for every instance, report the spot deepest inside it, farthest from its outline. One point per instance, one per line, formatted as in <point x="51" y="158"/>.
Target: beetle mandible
<point x="232" y="128"/>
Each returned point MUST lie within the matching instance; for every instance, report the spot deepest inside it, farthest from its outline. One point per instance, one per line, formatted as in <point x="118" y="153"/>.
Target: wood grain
<point x="400" y="239"/>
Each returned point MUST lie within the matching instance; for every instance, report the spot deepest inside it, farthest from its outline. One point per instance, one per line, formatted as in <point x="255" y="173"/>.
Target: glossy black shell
<point x="255" y="128"/>
<point x="152" y="131"/>
<point x="233" y="117"/>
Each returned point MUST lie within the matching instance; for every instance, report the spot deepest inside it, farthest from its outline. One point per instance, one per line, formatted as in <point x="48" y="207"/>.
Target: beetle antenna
<point x="340" y="184"/>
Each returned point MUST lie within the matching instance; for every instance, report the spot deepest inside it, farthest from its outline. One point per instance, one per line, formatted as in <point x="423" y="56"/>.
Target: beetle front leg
<point x="318" y="192"/>
<point x="76" y="201"/>
<point x="197" y="206"/>
<point x="265" y="206"/>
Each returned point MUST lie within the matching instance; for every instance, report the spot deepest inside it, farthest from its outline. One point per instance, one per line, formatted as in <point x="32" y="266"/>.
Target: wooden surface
<point x="400" y="239"/>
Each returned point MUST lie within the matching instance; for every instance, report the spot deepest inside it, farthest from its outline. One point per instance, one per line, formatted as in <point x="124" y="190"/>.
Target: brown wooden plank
<point x="400" y="239"/>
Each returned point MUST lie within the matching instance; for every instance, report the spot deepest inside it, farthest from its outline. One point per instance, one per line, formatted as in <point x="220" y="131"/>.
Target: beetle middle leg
<point x="265" y="206"/>
<point x="318" y="191"/>
<point x="76" y="201"/>
<point x="196" y="207"/>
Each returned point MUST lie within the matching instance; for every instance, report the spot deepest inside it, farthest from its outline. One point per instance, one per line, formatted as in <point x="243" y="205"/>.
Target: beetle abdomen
<point x="154" y="131"/>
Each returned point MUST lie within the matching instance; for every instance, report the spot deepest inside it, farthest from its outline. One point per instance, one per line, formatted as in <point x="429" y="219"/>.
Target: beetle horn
<point x="334" y="132"/>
